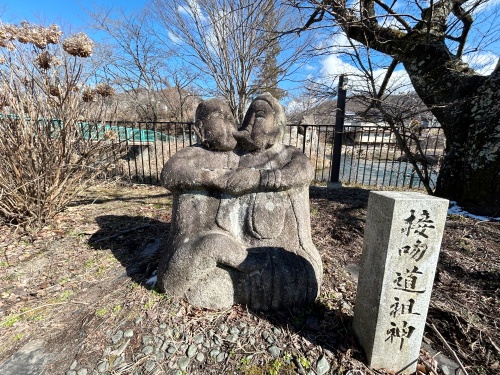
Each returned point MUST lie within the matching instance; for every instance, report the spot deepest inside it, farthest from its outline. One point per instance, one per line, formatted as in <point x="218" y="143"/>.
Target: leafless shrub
<point x="47" y="157"/>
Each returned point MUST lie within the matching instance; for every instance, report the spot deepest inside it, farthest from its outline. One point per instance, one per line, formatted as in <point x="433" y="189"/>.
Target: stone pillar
<point x="403" y="235"/>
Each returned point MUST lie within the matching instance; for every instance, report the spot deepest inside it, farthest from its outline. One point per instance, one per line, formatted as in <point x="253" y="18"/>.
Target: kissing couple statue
<point x="240" y="231"/>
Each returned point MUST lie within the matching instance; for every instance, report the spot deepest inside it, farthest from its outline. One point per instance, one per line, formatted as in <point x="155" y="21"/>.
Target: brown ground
<point x="81" y="278"/>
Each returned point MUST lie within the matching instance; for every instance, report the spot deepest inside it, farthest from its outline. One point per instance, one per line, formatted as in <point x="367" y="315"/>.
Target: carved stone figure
<point x="240" y="226"/>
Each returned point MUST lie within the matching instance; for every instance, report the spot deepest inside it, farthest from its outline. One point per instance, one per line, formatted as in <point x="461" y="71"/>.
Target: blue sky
<point x="61" y="12"/>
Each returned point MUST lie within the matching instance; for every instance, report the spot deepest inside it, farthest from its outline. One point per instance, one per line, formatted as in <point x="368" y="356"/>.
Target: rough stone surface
<point x="29" y="360"/>
<point x="322" y="367"/>
<point x="240" y="228"/>
<point x="274" y="351"/>
<point x="403" y="235"/>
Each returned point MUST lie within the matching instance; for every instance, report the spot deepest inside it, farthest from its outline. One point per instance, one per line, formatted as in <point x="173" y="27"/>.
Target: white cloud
<point x="333" y="66"/>
<point x="482" y="63"/>
<point x="486" y="5"/>
<point x="192" y="9"/>
<point x="174" y="38"/>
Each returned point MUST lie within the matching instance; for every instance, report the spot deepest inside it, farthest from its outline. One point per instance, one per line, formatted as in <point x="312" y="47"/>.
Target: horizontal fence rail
<point x="370" y="155"/>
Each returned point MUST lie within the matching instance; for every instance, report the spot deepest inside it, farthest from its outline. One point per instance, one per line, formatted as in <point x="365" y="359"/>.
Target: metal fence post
<point x="339" y="129"/>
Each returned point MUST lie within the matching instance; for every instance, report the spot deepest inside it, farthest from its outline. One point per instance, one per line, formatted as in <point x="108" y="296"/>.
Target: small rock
<point x="223" y="328"/>
<point x="191" y="352"/>
<point x="234" y="331"/>
<point x="276" y="331"/>
<point x="73" y="365"/>
<point x="147" y="340"/>
<point x="138" y="320"/>
<point x="217" y="340"/>
<point x="163" y="325"/>
<point x="147" y="350"/>
<point x="183" y="363"/>
<point x="168" y="332"/>
<point x="117" y="336"/>
<point x="128" y="333"/>
<point x="322" y="367"/>
<point x="270" y="340"/>
<point x="232" y="338"/>
<point x="171" y="349"/>
<point x="103" y="366"/>
<point x="251" y="341"/>
<point x="159" y="339"/>
<point x="220" y="357"/>
<point x="164" y="346"/>
<point x="176" y="372"/>
<point x="198" y="339"/>
<point x="245" y="331"/>
<point x="160" y="356"/>
<point x="82" y="371"/>
<point x="70" y="372"/>
<point x="149" y="365"/>
<point x="274" y="351"/>
<point x="214" y="353"/>
<point x="265" y="335"/>
<point x="155" y="330"/>
<point x="207" y="344"/>
<point x="200" y="357"/>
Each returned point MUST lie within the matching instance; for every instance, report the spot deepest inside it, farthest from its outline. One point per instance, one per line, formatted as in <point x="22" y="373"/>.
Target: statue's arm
<point x="189" y="169"/>
<point x="297" y="171"/>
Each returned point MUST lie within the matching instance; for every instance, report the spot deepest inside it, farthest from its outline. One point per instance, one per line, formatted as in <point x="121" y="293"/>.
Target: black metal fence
<point x="370" y="155"/>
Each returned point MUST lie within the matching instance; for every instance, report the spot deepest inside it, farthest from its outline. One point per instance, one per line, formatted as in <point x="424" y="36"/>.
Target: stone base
<point x="334" y="185"/>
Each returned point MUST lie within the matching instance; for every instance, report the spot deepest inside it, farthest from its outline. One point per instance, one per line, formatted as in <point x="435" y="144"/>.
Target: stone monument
<point x="403" y="235"/>
<point x="240" y="228"/>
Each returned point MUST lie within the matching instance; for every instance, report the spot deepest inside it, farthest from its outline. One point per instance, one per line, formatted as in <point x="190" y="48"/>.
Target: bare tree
<point x="225" y="40"/>
<point x="430" y="40"/>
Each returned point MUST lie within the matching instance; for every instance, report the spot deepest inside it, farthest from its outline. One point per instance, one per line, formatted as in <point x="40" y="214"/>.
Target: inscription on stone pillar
<point x="403" y="235"/>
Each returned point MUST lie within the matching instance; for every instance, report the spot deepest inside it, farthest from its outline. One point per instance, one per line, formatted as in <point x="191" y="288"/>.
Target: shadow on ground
<point x="135" y="241"/>
<point x="117" y="197"/>
<point x="356" y="197"/>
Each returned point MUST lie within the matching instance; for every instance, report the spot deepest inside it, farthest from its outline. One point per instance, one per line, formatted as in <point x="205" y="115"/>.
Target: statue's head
<point x="215" y="125"/>
<point x="263" y="125"/>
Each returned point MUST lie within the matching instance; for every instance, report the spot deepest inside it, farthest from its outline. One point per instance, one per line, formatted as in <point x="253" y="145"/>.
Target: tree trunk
<point x="468" y="108"/>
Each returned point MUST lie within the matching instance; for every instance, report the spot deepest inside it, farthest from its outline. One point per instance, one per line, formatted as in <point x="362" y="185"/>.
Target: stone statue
<point x="240" y="225"/>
